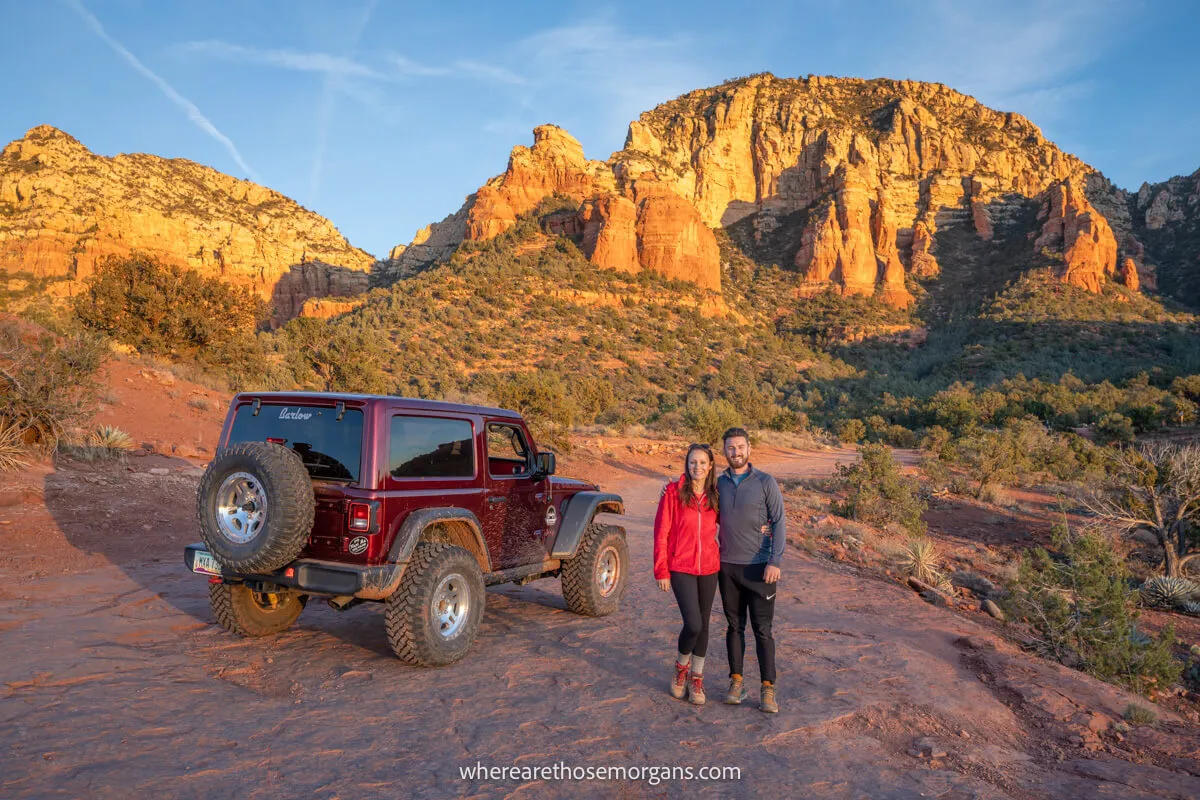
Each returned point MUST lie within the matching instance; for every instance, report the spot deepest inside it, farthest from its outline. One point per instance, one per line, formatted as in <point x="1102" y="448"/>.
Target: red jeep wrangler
<point x="413" y="503"/>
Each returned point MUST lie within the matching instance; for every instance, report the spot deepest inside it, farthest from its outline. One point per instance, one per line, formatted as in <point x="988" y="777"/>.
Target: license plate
<point x="204" y="563"/>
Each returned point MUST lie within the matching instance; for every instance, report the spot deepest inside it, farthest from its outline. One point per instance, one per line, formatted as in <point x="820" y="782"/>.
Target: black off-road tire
<point x="413" y="629"/>
<point x="238" y="610"/>
<point x="582" y="584"/>
<point x="289" y="507"/>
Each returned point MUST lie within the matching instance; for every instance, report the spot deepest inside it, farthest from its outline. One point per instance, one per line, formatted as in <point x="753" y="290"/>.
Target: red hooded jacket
<point x="685" y="537"/>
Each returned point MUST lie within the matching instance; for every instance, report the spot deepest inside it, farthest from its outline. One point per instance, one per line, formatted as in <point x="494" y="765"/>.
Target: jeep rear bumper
<point x="316" y="577"/>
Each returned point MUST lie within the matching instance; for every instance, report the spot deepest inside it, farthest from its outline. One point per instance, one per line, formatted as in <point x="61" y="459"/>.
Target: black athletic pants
<point x="742" y="590"/>
<point x="694" y="594"/>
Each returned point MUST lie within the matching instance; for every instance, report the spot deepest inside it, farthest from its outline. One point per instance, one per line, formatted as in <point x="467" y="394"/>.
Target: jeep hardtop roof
<point x="404" y="402"/>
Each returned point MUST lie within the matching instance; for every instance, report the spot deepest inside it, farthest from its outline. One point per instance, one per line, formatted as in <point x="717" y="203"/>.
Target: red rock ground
<point x="116" y="683"/>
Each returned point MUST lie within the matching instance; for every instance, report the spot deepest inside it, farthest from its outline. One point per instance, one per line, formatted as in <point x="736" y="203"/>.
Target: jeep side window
<point x="508" y="455"/>
<point x="429" y="447"/>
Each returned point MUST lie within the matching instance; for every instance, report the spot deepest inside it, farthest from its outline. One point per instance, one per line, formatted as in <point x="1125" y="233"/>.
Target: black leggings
<point x="694" y="594"/>
<point x="743" y="589"/>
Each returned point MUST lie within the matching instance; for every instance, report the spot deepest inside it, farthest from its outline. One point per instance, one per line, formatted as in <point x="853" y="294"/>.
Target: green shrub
<point x="168" y="310"/>
<point x="708" y="419"/>
<point x="851" y="431"/>
<point x="1115" y="428"/>
<point x="542" y="398"/>
<point x="1136" y="714"/>
<point x="1083" y="614"/>
<point x="878" y="492"/>
<point x="334" y="357"/>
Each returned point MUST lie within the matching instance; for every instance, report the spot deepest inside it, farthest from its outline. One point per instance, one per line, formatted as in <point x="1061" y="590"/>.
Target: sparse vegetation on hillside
<point x="1077" y="602"/>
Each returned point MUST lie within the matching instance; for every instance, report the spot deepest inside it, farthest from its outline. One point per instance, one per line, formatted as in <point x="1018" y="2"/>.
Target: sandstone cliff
<point x="859" y="176"/>
<point x="63" y="208"/>
<point x="1165" y="217"/>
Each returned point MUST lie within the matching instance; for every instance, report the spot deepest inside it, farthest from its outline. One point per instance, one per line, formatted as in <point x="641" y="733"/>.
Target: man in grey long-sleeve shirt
<point x="752" y="536"/>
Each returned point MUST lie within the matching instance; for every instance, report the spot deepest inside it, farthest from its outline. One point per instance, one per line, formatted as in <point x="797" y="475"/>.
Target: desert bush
<point x="1155" y="487"/>
<point x="13" y="453"/>
<point x="334" y="357"/>
<point x="47" y="383"/>
<point x="1114" y="428"/>
<point x="851" y="431"/>
<point x="939" y="442"/>
<point x="111" y="438"/>
<point x="1165" y="591"/>
<point x="542" y="398"/>
<point x="922" y="561"/>
<point x="990" y="457"/>
<point x="708" y="419"/>
<point x="1136" y="714"/>
<point x="168" y="310"/>
<point x="1077" y="604"/>
<point x="878" y="492"/>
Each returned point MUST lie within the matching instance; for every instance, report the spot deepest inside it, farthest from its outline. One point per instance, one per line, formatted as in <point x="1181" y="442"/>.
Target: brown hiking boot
<point x="737" y="690"/>
<point x="696" y="690"/>
<point x="766" y="702"/>
<point x="679" y="685"/>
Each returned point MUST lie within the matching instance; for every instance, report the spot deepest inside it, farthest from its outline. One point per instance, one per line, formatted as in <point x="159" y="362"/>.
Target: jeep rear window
<point x="330" y="448"/>
<point x="428" y="447"/>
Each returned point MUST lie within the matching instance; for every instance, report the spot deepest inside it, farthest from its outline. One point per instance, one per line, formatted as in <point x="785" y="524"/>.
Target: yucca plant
<point x="1164" y="591"/>
<point x="111" y="438"/>
<point x="12" y="447"/>
<point x="921" y="560"/>
<point x="1192" y="608"/>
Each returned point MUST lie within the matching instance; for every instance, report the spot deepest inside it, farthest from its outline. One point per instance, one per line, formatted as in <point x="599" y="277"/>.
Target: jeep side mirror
<point x="544" y="465"/>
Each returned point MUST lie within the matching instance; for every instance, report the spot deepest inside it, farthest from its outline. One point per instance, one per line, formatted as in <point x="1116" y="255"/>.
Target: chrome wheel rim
<point x="451" y="605"/>
<point x="608" y="570"/>
<point x="241" y="507"/>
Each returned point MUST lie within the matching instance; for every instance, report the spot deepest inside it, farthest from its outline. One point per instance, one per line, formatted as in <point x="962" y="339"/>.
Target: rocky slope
<point x="846" y="181"/>
<point x="1166" y="218"/>
<point x="64" y="208"/>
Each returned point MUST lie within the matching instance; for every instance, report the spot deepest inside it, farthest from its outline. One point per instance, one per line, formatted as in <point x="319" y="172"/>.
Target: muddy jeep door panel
<point x="516" y="502"/>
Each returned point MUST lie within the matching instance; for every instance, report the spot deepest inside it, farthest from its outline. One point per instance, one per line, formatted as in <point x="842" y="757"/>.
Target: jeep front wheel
<point x="594" y="580"/>
<point x="248" y="613"/>
<point x="434" y="616"/>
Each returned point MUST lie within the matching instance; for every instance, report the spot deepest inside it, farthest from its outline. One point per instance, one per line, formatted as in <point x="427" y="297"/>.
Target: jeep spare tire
<point x="255" y="506"/>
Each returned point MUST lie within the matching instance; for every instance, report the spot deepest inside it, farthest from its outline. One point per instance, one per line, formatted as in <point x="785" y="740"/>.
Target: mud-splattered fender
<point x="580" y="509"/>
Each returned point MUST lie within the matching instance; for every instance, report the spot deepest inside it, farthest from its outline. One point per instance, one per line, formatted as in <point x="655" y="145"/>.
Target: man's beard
<point x="737" y="462"/>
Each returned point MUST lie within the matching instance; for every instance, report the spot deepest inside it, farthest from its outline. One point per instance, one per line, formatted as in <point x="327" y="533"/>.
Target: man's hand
<point x="771" y="574"/>
<point x="665" y="584"/>
<point x="663" y="492"/>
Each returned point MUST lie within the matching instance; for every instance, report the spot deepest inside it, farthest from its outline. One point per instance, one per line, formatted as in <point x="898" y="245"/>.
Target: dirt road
<point x="114" y="683"/>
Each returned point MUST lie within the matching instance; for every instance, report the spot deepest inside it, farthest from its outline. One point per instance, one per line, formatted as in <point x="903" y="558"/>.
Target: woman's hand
<point x="665" y="584"/>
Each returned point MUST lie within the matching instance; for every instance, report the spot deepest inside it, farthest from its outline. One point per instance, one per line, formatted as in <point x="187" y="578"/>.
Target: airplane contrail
<point x="325" y="107"/>
<point x="188" y="107"/>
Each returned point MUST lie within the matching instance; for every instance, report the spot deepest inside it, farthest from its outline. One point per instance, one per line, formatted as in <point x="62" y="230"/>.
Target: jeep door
<point x="516" y="502"/>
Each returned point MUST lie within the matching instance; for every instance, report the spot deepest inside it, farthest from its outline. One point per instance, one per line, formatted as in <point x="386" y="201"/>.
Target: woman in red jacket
<point x="686" y="561"/>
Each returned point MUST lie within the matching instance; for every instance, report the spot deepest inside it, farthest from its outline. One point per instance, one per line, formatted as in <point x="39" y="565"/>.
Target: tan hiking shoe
<point x="766" y="702"/>
<point x="679" y="684"/>
<point x="737" y="691"/>
<point x="696" y="690"/>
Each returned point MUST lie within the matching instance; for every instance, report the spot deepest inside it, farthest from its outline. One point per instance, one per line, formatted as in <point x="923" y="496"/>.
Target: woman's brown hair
<point x="710" y="480"/>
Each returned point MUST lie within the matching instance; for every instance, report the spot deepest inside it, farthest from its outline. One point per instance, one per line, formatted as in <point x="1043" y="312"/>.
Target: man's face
<point x="737" y="452"/>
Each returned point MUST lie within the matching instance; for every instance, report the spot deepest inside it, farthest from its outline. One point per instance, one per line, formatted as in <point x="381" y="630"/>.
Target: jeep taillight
<point x="360" y="517"/>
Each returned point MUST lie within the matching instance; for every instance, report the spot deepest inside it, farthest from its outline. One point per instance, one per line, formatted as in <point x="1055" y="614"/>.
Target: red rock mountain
<point x="63" y="208"/>
<point x="863" y="176"/>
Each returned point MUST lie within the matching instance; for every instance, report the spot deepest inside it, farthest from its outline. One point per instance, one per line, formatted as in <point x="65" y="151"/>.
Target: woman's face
<point x="698" y="465"/>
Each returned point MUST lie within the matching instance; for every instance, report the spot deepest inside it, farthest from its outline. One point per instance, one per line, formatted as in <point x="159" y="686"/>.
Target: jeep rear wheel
<point x="255" y="507"/>
<point x="594" y="580"/>
<point x="434" y="616"/>
<point x="242" y="611"/>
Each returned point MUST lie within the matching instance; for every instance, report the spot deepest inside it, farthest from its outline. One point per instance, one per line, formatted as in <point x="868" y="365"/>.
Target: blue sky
<point x="383" y="115"/>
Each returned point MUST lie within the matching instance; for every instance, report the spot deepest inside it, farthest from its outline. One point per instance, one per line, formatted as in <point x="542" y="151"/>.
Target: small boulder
<point x="926" y="747"/>
<point x="992" y="609"/>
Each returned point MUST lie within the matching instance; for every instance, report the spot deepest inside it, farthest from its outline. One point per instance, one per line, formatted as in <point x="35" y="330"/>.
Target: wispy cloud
<point x="188" y="107"/>
<point x="458" y="69"/>
<point x="1024" y="56"/>
<point x="334" y="79"/>
<point x="284" y="58"/>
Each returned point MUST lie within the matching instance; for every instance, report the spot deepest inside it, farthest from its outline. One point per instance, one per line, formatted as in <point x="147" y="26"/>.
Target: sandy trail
<point x="114" y="683"/>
